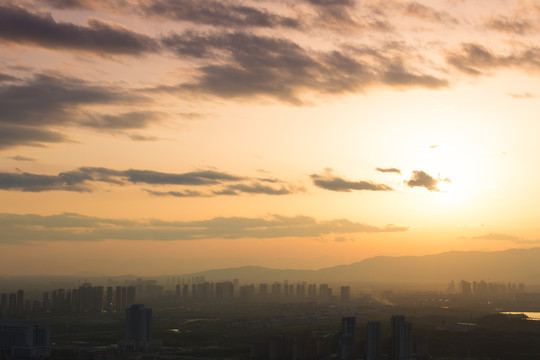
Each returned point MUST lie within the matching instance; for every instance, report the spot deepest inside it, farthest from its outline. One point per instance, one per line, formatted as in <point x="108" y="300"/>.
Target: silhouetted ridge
<point x="508" y="265"/>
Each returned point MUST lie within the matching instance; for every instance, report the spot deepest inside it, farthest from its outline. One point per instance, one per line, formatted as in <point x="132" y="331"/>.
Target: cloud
<point x="20" y="26"/>
<point x="506" y="237"/>
<point x="85" y="179"/>
<point x="131" y="120"/>
<point x="80" y="179"/>
<point x="215" y="13"/>
<point x="6" y="77"/>
<point x="511" y="25"/>
<point x="251" y="188"/>
<point x="334" y="183"/>
<point x="347" y="3"/>
<point x="78" y="4"/>
<point x="522" y="96"/>
<point x="389" y="170"/>
<point x="36" y="183"/>
<point x="427" y="13"/>
<point x="475" y="59"/>
<point x="241" y="65"/>
<point x="209" y="12"/>
<point x="422" y="179"/>
<point x="138" y="137"/>
<point x="497" y="236"/>
<point x="21" y="158"/>
<point x="16" y="228"/>
<point x="52" y="99"/>
<point x="257" y="188"/>
<point x="33" y="108"/>
<point x="12" y="136"/>
<point x="182" y="194"/>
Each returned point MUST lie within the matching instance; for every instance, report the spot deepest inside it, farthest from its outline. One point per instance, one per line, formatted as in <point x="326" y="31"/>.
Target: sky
<point x="167" y="137"/>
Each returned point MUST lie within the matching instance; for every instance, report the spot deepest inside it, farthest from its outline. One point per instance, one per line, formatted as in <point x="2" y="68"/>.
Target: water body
<point x="530" y="315"/>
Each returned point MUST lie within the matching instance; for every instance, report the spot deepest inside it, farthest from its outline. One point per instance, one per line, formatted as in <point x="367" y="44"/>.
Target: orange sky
<point x="164" y="137"/>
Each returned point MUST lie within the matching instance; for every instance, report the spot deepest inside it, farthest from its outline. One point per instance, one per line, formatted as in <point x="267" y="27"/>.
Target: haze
<point x="163" y="137"/>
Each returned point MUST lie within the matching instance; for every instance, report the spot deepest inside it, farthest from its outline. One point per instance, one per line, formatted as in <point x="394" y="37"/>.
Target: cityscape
<point x="192" y="317"/>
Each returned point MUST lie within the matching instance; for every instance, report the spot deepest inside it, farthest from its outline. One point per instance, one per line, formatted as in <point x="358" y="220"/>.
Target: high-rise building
<point x="46" y="302"/>
<point x="247" y="292"/>
<point x="138" y="330"/>
<point x="60" y="300"/>
<point x="373" y="344"/>
<point x="405" y="341"/>
<point x="109" y="299"/>
<point x="347" y="337"/>
<point x="22" y="340"/>
<point x="263" y="291"/>
<point x="323" y="292"/>
<point x="97" y="299"/>
<point x="185" y="292"/>
<point x="20" y="302"/>
<point x="3" y="305"/>
<point x="236" y="287"/>
<point x="395" y="336"/>
<point x="124" y="297"/>
<point x="118" y="299"/>
<point x="345" y="294"/>
<point x="130" y="295"/>
<point x="12" y="304"/>
<point x="276" y="290"/>
<point x="312" y="290"/>
<point x="422" y="348"/>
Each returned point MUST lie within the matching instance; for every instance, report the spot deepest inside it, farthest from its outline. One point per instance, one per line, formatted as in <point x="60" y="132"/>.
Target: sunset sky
<point x="166" y="137"/>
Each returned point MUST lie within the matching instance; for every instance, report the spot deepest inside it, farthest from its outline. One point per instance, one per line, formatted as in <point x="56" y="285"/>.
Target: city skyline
<point x="162" y="137"/>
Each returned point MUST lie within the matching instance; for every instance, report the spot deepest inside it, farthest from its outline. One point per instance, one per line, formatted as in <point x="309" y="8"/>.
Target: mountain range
<point x="514" y="265"/>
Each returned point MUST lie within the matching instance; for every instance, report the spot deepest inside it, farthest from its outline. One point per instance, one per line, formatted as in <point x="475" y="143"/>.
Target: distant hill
<point x="515" y="265"/>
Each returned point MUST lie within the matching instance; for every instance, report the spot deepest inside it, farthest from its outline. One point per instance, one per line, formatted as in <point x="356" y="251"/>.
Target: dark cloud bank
<point x="67" y="227"/>
<point x="85" y="179"/>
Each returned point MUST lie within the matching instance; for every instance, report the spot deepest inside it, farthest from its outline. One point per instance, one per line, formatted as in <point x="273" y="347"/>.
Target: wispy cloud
<point x="18" y="228"/>
<point x="506" y="237"/>
<point x="34" y="109"/>
<point x="522" y="96"/>
<point x="21" y="26"/>
<point x="13" y="136"/>
<point x="475" y="59"/>
<point x="389" y="170"/>
<point x="85" y="179"/>
<point x="328" y="181"/>
<point x="240" y="65"/>
<point x="425" y="12"/>
<point x="514" y="25"/>
<point x="21" y="158"/>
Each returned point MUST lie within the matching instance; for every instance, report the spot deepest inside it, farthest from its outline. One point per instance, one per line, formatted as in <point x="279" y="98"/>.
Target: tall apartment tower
<point x="12" y="304"/>
<point x="312" y="291"/>
<point x="347" y="337"/>
<point x="323" y="292"/>
<point x="20" y="302"/>
<point x="396" y="321"/>
<point x="109" y="299"/>
<point x="405" y="341"/>
<point x="138" y="328"/>
<point x="130" y="295"/>
<point x="373" y="345"/>
<point x="345" y="294"/>
<point x="3" y="305"/>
